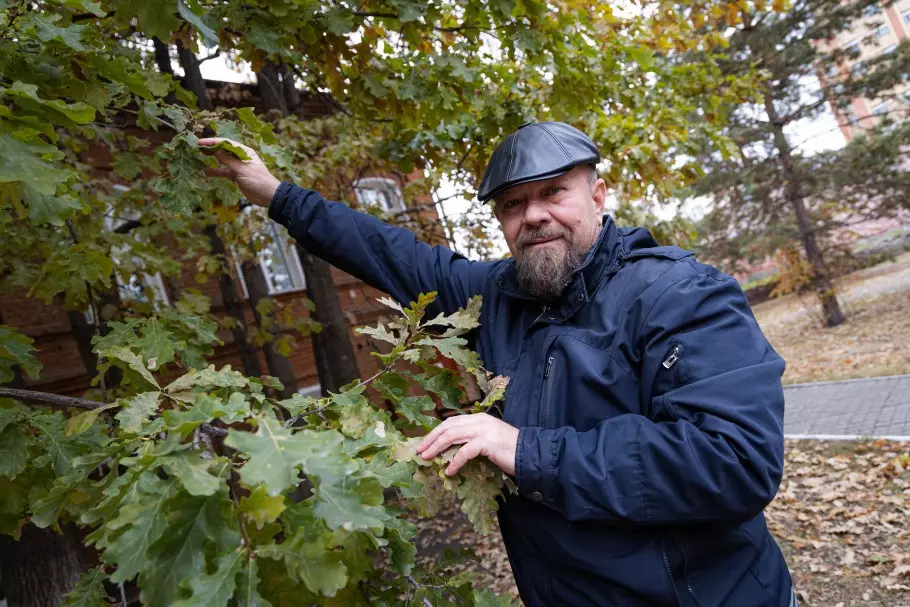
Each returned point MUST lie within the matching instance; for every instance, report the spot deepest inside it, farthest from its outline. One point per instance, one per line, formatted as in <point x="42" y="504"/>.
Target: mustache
<point x="546" y="234"/>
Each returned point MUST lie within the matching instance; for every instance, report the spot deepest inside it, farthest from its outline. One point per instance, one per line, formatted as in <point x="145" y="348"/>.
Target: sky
<point x="810" y="136"/>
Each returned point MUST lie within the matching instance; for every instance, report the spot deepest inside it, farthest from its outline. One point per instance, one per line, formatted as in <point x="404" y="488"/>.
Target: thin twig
<point x="59" y="400"/>
<point x="247" y="544"/>
<point x="94" y="307"/>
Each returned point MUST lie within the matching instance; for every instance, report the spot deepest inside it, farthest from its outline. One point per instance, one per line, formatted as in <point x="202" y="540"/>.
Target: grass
<point x="875" y="340"/>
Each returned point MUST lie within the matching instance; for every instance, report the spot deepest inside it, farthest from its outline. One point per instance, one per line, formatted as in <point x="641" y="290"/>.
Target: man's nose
<point x="536" y="213"/>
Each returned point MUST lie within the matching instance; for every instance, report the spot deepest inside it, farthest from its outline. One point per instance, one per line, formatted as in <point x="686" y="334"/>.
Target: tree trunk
<point x="279" y="366"/>
<point x="271" y="89"/>
<point x="249" y="357"/>
<point x="821" y="280"/>
<point x="335" y="337"/>
<point x="41" y="567"/>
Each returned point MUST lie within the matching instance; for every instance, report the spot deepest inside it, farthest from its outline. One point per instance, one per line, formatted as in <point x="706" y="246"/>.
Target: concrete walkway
<point x="873" y="407"/>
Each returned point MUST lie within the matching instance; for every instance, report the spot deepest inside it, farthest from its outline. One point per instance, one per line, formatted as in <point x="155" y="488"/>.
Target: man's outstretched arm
<point x="388" y="258"/>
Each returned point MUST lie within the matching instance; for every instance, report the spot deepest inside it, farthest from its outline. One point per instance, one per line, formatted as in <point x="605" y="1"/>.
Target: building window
<point x="889" y="49"/>
<point x="381" y="192"/>
<point x="906" y="97"/>
<point x="852" y="48"/>
<point x="871" y="10"/>
<point x="851" y="117"/>
<point x="906" y="16"/>
<point x="881" y="109"/>
<point x="882" y="31"/>
<point x="280" y="263"/>
<point x="859" y="68"/>
<point x="832" y="72"/>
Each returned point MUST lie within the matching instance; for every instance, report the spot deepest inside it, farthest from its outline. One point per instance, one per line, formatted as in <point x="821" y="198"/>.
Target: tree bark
<point x="821" y="280"/>
<point x="279" y="366"/>
<point x="41" y="567"/>
<point x="249" y="357"/>
<point x="271" y="88"/>
<point x="335" y="339"/>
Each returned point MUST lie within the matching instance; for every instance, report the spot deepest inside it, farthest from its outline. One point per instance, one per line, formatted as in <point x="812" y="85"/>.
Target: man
<point x="643" y="418"/>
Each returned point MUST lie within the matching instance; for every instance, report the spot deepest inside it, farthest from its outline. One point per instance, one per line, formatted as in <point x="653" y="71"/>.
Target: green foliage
<point x="201" y="519"/>
<point x="16" y="350"/>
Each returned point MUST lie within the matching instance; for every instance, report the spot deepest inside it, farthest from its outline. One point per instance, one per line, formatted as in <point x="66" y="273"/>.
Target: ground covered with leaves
<point x="841" y="518"/>
<point x="875" y="340"/>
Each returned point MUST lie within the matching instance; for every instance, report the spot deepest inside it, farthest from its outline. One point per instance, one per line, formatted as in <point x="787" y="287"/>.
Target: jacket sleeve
<point x="711" y="447"/>
<point x="390" y="259"/>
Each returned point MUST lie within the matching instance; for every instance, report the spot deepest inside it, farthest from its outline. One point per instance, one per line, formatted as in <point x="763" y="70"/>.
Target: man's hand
<point x="251" y="176"/>
<point x="480" y="434"/>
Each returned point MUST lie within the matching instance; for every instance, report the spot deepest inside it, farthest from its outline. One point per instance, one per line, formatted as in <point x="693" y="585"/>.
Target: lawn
<point x="874" y="341"/>
<point x="841" y="517"/>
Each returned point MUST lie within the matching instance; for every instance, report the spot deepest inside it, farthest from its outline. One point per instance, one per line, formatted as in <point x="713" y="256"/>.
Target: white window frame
<point x="882" y="31"/>
<point x="876" y="111"/>
<point x="889" y="49"/>
<point x="291" y="261"/>
<point x="389" y="198"/>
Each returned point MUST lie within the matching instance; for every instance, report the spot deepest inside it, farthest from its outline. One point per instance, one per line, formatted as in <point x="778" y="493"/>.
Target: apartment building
<point x="879" y="31"/>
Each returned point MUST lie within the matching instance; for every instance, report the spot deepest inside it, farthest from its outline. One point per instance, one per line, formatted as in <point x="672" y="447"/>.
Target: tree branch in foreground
<point x="58" y="400"/>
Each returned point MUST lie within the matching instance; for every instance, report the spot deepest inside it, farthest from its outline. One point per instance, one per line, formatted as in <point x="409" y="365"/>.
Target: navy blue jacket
<point x="649" y="404"/>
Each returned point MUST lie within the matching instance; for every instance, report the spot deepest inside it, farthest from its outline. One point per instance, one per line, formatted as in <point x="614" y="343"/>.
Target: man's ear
<point x="599" y="195"/>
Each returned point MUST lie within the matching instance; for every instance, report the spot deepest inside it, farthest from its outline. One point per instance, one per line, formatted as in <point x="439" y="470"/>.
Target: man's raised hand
<point x="251" y="176"/>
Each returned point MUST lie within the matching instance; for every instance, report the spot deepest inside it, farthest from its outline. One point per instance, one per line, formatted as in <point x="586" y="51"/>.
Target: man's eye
<point x="510" y="204"/>
<point x="553" y="189"/>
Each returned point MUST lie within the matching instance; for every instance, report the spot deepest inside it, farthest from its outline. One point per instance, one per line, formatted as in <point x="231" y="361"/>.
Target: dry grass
<point x="874" y="341"/>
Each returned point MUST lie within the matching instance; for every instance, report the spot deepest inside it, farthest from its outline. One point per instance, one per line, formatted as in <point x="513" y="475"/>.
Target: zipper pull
<point x="546" y="371"/>
<point x="671" y="360"/>
<point x="542" y="312"/>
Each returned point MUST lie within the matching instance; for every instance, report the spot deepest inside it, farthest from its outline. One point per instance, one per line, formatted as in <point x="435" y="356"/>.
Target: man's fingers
<point x="219" y="172"/>
<point x="435" y="433"/>
<point x="452" y="436"/>
<point x="467" y="452"/>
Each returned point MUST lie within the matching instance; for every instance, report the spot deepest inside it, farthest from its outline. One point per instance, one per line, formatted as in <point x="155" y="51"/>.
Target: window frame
<point x="386" y="185"/>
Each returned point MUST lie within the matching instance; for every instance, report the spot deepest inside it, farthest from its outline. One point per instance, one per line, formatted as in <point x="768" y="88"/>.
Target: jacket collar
<point x="604" y="257"/>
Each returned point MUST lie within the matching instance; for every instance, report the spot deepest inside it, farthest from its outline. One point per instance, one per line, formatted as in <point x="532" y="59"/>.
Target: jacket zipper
<point x="539" y="316"/>
<point x="672" y="358"/>
<point x="663" y="550"/>
<point x="685" y="564"/>
<point x="545" y="405"/>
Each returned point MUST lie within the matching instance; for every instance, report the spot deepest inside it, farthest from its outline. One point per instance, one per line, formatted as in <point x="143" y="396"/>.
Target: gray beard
<point x="545" y="274"/>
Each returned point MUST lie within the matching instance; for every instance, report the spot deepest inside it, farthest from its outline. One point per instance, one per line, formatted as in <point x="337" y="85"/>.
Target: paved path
<point x="878" y="406"/>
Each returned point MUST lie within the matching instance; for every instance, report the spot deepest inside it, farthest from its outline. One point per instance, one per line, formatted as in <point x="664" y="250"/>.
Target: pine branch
<point x="59" y="400"/>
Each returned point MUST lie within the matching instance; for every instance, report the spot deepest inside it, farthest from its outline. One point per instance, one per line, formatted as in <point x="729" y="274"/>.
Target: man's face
<point x="549" y="226"/>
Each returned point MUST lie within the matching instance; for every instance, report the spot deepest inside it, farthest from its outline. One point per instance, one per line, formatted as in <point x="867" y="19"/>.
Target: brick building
<point x="52" y="328"/>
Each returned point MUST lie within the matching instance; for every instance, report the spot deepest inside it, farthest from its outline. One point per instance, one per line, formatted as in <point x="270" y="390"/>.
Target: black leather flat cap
<point x="537" y="150"/>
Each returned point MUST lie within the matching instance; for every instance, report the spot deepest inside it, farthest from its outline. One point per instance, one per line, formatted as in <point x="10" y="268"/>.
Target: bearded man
<point x="643" y="420"/>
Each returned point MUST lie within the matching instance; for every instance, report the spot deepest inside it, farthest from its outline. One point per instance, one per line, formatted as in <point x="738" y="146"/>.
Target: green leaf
<point x="137" y="410"/>
<point x="444" y="384"/>
<point x="345" y="496"/>
<point x="155" y="18"/>
<point x="261" y="508"/>
<point x="311" y="561"/>
<point x="193" y="471"/>
<point x="16" y="349"/>
<point x="264" y="37"/>
<point x="133" y="361"/>
<point x="14" y="454"/>
<point x="248" y="586"/>
<point x="48" y="209"/>
<point x="398" y="474"/>
<point x="156" y="343"/>
<point x="46" y="30"/>
<point x="454" y="348"/>
<point x="496" y="392"/>
<point x="217" y="589"/>
<point x="197" y="526"/>
<point x="203" y="411"/>
<point x="209" y="378"/>
<point x="228" y="129"/>
<point x="402" y="551"/>
<point x="462" y="321"/>
<point x="275" y="453"/>
<point x="381" y="333"/>
<point x="80" y="423"/>
<point x="486" y="598"/>
<point x="478" y="491"/>
<point x="89" y="590"/>
<point x="26" y="96"/>
<point x="234" y="150"/>
<point x="27" y="163"/>
<point x="180" y="189"/>
<point x="413" y="407"/>
<point x="189" y="10"/>
<point x="143" y="519"/>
